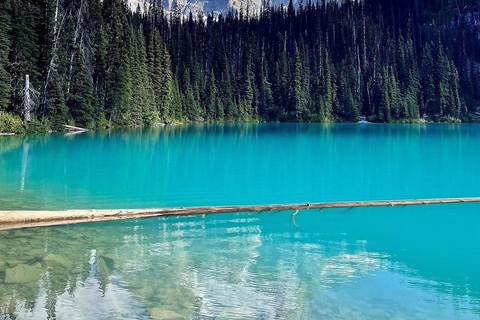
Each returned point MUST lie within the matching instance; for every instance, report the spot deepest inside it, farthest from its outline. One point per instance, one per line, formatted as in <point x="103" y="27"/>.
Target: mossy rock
<point x="22" y="273"/>
<point x="164" y="314"/>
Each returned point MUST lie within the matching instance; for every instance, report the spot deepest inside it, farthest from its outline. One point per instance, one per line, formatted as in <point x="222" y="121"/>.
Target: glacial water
<point x="418" y="262"/>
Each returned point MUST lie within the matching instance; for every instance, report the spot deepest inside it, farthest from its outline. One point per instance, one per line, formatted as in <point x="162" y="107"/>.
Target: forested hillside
<point x="97" y="64"/>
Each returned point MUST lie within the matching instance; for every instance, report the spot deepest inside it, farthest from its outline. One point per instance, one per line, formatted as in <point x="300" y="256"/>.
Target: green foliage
<point x="57" y="110"/>
<point x="10" y="123"/>
<point x="101" y="65"/>
<point x="80" y="98"/>
<point x="37" y="127"/>
<point x="5" y="78"/>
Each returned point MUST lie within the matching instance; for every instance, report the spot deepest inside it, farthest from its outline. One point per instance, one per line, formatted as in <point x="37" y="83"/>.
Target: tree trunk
<point x="27" y="99"/>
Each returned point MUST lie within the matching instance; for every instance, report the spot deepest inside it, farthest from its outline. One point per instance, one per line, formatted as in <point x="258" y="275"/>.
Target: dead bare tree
<point x="29" y="98"/>
<point x="57" y="29"/>
<point x="78" y="39"/>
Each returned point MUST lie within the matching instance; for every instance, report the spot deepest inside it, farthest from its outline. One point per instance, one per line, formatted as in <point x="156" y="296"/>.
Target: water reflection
<point x="338" y="264"/>
<point x="238" y="164"/>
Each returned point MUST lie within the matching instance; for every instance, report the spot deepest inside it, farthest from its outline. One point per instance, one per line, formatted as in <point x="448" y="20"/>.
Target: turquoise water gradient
<point x="402" y="262"/>
<point x="239" y="164"/>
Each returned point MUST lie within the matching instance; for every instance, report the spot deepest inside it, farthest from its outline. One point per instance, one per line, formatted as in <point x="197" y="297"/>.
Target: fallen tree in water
<point x="22" y="219"/>
<point x="74" y="129"/>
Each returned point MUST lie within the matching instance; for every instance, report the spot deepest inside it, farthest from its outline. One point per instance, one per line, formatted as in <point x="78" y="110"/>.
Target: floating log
<point x="75" y="129"/>
<point x="22" y="219"/>
<point x="7" y="134"/>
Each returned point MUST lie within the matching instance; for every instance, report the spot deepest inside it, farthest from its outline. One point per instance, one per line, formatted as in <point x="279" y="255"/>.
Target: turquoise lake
<point x="414" y="262"/>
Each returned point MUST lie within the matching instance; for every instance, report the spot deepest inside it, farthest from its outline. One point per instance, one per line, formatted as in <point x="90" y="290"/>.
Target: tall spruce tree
<point x="5" y="79"/>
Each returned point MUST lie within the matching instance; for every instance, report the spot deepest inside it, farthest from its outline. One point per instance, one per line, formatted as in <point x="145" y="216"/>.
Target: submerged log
<point x="22" y="219"/>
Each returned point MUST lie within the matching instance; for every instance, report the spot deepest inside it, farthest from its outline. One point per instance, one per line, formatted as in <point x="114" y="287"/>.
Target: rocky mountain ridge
<point x="209" y="6"/>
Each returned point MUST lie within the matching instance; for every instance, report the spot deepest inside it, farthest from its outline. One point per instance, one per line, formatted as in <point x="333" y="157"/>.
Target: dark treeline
<point x="96" y="63"/>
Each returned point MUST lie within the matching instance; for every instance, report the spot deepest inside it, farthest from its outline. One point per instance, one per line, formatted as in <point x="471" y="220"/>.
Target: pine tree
<point x="298" y="94"/>
<point x="100" y="44"/>
<point x="165" y="89"/>
<point x="455" y="105"/>
<point x="442" y="83"/>
<point x="385" y="104"/>
<point x="212" y="99"/>
<point x="5" y="79"/>
<point x="428" y="81"/>
<point x="24" y="52"/>
<point x="266" y="102"/>
<point x="327" y="88"/>
<point x="56" y="110"/>
<point x="118" y="81"/>
<point x="80" y="98"/>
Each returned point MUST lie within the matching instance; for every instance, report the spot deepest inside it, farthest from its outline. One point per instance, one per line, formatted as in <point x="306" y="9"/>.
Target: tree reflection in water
<point x="249" y="265"/>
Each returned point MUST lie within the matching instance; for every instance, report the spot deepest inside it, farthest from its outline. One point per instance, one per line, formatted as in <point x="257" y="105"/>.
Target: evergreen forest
<point x="100" y="64"/>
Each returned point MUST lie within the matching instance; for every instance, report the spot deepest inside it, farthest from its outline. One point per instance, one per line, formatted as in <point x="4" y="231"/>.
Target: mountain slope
<point x="207" y="6"/>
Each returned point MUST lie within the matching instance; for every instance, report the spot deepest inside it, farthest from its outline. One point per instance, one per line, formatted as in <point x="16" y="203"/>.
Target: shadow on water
<point x="337" y="264"/>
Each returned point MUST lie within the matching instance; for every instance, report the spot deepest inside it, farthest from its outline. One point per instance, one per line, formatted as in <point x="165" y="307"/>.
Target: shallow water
<point x="364" y="263"/>
<point x="418" y="262"/>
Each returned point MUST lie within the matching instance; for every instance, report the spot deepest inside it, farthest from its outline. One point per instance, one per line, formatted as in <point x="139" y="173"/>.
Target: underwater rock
<point x="3" y="264"/>
<point x="164" y="314"/>
<point x="22" y="273"/>
<point x="14" y="262"/>
<point x="36" y="253"/>
<point x="52" y="259"/>
<point x="344" y="311"/>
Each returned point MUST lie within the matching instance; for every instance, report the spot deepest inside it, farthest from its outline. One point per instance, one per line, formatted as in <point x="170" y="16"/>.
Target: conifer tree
<point x="106" y="65"/>
<point x="165" y="89"/>
<point x="428" y="81"/>
<point x="24" y="51"/>
<point x="80" y="98"/>
<point x="5" y="79"/>
<point x="327" y="88"/>
<point x="443" y="92"/>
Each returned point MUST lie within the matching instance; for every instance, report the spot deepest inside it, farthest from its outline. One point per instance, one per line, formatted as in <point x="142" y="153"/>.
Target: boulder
<point x="14" y="262"/>
<point x="164" y="314"/>
<point x="22" y="273"/>
<point x="53" y="259"/>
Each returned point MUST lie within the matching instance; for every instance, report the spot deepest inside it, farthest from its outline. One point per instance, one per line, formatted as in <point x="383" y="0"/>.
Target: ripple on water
<point x="238" y="266"/>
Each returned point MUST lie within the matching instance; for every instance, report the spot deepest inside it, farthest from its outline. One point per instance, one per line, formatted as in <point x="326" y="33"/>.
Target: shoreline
<point x="16" y="219"/>
<point x="9" y="134"/>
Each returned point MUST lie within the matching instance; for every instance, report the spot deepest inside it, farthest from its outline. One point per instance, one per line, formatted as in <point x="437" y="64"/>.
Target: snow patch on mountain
<point x="185" y="7"/>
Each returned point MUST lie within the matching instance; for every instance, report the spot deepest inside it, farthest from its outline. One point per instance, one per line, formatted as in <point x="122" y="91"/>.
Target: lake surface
<point x="239" y="164"/>
<point x="418" y="262"/>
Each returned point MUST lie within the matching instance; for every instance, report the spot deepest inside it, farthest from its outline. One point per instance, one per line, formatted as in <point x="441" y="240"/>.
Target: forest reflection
<point x="240" y="266"/>
<point x="226" y="164"/>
